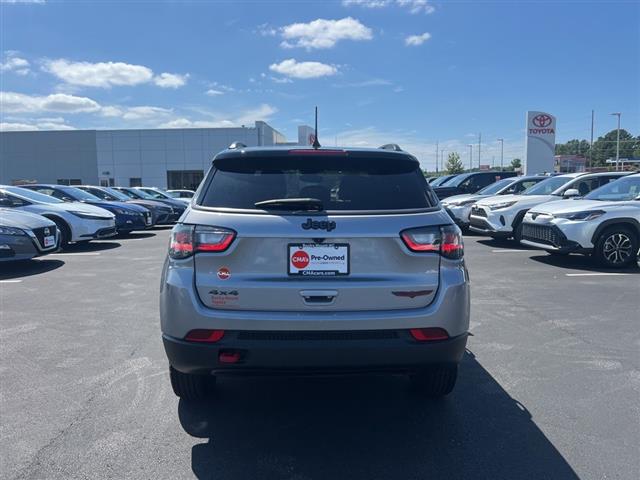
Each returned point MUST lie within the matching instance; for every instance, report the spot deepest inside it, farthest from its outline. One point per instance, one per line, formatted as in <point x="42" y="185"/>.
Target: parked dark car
<point x="177" y="206"/>
<point x="128" y="217"/>
<point x="161" y="214"/>
<point x="25" y="235"/>
<point x="437" y="181"/>
<point x="469" y="183"/>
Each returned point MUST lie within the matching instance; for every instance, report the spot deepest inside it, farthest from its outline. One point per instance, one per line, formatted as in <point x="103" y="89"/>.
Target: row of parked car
<point x="596" y="214"/>
<point x="37" y="219"/>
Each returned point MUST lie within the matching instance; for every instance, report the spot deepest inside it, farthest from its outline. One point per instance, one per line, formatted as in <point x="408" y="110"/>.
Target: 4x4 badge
<point x="319" y="225"/>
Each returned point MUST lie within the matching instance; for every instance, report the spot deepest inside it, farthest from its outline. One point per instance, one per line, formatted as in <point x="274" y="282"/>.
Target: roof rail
<point x="236" y="145"/>
<point x="391" y="146"/>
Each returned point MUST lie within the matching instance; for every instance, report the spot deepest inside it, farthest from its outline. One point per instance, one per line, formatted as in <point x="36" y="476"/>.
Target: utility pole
<point x="618" y="141"/>
<point x="479" y="143"/>
<point x="591" y="143"/>
<point x="470" y="156"/>
<point x="501" y="140"/>
<point x="436" y="156"/>
<point x="442" y="159"/>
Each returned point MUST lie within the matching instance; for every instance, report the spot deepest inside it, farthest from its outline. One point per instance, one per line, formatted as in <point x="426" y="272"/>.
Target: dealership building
<point x="165" y="158"/>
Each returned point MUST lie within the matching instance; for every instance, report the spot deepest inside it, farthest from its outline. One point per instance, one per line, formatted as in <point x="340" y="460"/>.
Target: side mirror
<point x="572" y="192"/>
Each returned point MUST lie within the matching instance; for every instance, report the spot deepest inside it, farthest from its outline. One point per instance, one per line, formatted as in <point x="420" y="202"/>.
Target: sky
<point x="412" y="72"/>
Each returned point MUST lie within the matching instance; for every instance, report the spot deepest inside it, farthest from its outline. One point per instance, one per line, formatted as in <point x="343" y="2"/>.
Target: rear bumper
<point x="325" y="355"/>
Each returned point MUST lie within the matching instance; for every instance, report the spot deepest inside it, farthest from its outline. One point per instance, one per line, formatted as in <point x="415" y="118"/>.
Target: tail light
<point x="447" y="240"/>
<point x="189" y="239"/>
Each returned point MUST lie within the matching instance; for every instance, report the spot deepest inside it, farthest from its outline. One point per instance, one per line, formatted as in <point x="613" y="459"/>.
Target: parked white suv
<point x="606" y="223"/>
<point x="501" y="216"/>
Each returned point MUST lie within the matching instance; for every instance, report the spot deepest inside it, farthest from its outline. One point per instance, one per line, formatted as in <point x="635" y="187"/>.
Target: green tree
<point x="516" y="164"/>
<point x="454" y="165"/>
<point x="573" y="147"/>
<point x="605" y="147"/>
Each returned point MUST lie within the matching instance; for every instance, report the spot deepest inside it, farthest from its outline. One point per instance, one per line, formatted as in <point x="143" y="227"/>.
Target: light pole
<point x="442" y="160"/>
<point x="479" y="143"/>
<point x="470" y="156"/>
<point x="618" y="140"/>
<point x="501" y="140"/>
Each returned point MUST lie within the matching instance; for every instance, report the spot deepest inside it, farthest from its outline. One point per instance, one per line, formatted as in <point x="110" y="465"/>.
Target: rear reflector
<point x="429" y="334"/>
<point x="204" y="336"/>
<point x="229" y="357"/>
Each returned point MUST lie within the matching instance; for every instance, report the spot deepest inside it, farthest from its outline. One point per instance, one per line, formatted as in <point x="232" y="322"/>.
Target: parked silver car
<point x="24" y="235"/>
<point x="314" y="260"/>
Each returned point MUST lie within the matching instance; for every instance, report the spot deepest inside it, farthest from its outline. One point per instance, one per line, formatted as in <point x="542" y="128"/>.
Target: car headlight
<point x="89" y="216"/>
<point x="11" y="231"/>
<point x="585" y="215"/>
<point x="459" y="203"/>
<point x="498" y="206"/>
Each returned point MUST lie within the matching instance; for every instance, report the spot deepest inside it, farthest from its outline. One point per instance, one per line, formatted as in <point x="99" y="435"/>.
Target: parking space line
<point x="596" y="274"/>
<point x="10" y="281"/>
<point x="508" y="250"/>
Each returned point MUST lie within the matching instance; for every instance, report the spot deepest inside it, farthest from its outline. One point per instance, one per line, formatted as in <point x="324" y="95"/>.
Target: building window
<point x="135" y="182"/>
<point x="181" y="179"/>
<point x="69" y="181"/>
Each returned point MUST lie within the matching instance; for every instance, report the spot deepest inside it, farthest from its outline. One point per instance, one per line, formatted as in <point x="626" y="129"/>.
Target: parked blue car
<point x="129" y="217"/>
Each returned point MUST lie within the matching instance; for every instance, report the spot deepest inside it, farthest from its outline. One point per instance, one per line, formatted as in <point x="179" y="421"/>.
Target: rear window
<point x="340" y="183"/>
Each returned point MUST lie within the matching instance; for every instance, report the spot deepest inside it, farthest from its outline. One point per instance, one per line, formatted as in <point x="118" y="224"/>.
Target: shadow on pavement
<point x="504" y="243"/>
<point x="367" y="428"/>
<point x="133" y="235"/>
<point x="26" y="268"/>
<point x="580" y="262"/>
<point x="94" y="246"/>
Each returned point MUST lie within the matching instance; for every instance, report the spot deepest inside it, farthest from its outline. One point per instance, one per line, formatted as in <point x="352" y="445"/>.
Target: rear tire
<point x="189" y="386"/>
<point x="435" y="382"/>
<point x="616" y="247"/>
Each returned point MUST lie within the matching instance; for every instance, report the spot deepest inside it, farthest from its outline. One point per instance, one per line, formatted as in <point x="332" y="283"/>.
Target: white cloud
<point x="12" y="102"/>
<point x="416" y="40"/>
<point x="267" y="30"/>
<point x="102" y="74"/>
<point x="37" y="124"/>
<point x="212" y="92"/>
<point x="280" y="79"/>
<point x="303" y="70"/>
<point x="417" y="6"/>
<point x="374" y="82"/>
<point x="14" y="64"/>
<point x="414" y="6"/>
<point x="248" y="117"/>
<point x="110" y="74"/>
<point x="39" y="2"/>
<point x="170" y="80"/>
<point x="323" y="33"/>
<point x="143" y="112"/>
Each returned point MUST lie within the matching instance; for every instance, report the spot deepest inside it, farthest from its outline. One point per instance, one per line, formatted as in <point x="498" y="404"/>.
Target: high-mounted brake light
<point x="189" y="239"/>
<point x="447" y="241"/>
<point x="317" y="152"/>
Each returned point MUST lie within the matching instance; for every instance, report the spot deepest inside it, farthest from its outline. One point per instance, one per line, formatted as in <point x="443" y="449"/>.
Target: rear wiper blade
<point x="312" y="204"/>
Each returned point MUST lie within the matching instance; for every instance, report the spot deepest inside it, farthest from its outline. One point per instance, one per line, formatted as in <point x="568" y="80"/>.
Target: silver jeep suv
<point x="302" y="260"/>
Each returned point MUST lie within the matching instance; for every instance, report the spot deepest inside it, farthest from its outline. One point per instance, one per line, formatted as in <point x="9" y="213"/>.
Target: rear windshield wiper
<point x="310" y="204"/>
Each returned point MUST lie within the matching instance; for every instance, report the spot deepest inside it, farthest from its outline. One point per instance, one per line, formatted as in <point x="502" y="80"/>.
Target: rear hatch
<point x="324" y="236"/>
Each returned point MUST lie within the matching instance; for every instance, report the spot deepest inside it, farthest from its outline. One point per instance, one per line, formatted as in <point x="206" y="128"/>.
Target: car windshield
<point x="137" y="194"/>
<point x="154" y="193"/>
<point x="31" y="195"/>
<point x="440" y="180"/>
<point x="456" y="181"/>
<point x="80" y="194"/>
<point x="323" y="182"/>
<point x="548" y="186"/>
<point x="496" y="187"/>
<point x="626" y="188"/>
<point x="116" y="194"/>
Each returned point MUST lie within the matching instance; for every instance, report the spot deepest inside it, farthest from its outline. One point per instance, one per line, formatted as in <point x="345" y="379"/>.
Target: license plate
<point x="318" y="259"/>
<point x="49" y="241"/>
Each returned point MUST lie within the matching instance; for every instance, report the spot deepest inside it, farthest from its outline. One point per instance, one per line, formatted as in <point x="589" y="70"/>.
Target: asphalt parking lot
<point x="549" y="389"/>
